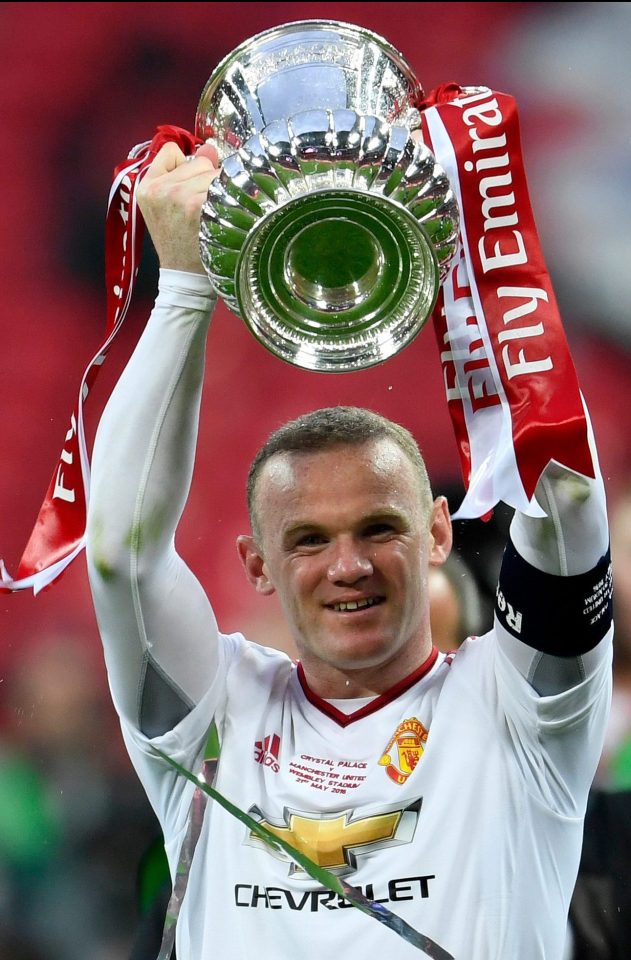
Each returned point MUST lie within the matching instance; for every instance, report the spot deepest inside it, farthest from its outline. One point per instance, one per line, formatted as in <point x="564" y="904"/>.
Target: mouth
<point x="352" y="606"/>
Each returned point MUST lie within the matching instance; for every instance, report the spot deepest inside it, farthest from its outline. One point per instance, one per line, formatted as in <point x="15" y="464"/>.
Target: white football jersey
<point x="456" y="799"/>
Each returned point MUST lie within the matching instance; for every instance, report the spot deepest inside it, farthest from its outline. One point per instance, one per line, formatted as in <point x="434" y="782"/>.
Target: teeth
<point x="355" y="604"/>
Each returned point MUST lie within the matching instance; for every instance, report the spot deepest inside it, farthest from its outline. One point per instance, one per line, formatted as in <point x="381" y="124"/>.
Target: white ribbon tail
<point x="37" y="581"/>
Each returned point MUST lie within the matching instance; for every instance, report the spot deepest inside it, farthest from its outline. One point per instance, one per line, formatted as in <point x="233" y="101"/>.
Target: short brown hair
<point x="331" y="427"/>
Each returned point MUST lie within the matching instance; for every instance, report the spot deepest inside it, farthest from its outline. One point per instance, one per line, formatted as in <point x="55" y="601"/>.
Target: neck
<point x="338" y="683"/>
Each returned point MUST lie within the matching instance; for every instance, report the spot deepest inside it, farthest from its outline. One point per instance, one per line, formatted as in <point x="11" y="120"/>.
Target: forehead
<point x="363" y="477"/>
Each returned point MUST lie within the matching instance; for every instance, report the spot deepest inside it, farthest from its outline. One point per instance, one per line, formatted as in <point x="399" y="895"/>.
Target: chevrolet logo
<point x="334" y="841"/>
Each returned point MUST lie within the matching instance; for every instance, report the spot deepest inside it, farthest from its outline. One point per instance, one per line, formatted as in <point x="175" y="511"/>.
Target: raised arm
<point x="554" y="596"/>
<point x="157" y="626"/>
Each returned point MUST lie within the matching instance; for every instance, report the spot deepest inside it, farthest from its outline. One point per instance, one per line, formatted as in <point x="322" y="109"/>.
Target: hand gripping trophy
<point x="330" y="227"/>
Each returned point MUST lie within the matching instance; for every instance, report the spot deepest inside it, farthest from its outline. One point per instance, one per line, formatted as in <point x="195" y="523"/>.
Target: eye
<point x="379" y="530"/>
<point x="310" y="540"/>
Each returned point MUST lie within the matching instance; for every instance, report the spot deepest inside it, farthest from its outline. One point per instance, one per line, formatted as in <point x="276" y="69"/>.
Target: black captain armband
<point x="564" y="616"/>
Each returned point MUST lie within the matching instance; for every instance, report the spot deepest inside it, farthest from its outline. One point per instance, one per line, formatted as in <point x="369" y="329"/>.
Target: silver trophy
<point x="329" y="228"/>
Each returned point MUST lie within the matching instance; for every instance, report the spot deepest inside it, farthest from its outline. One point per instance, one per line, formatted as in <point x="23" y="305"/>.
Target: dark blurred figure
<point x="73" y="821"/>
<point x="11" y="948"/>
<point x="153" y="894"/>
<point x="600" y="912"/>
<point x="456" y="605"/>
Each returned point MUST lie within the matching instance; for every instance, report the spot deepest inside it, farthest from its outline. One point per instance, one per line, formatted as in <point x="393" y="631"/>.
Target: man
<point x="450" y="789"/>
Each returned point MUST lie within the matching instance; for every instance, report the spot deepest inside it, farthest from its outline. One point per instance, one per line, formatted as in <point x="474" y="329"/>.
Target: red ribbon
<point x="58" y="534"/>
<point x="511" y="386"/>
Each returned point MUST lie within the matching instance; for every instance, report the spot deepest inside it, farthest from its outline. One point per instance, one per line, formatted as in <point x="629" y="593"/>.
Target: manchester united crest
<point x="409" y="739"/>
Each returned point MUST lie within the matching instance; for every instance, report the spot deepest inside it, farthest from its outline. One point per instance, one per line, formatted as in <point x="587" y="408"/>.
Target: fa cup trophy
<point x="329" y="228"/>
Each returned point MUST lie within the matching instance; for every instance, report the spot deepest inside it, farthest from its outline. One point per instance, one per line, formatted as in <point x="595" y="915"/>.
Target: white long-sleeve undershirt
<point x="157" y="625"/>
<point x="156" y="622"/>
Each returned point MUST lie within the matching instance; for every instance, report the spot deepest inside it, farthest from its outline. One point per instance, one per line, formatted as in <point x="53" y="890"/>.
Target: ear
<point x="441" y="534"/>
<point x="254" y="565"/>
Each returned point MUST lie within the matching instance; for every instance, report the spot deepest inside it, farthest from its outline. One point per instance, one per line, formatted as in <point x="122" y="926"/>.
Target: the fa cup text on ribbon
<point x="61" y="492"/>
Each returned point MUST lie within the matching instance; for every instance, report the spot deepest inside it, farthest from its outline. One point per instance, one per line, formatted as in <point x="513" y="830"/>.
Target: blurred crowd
<point x="74" y="824"/>
<point x="80" y="860"/>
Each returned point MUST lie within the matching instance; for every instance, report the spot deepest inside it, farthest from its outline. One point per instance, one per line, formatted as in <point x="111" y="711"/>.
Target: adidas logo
<point x="267" y="752"/>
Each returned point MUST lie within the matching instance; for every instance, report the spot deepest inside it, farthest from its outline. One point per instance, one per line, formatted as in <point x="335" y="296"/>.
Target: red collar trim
<point x="344" y="719"/>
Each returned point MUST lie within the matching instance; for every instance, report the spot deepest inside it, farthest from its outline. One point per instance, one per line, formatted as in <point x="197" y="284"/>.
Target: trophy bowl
<point x="330" y="227"/>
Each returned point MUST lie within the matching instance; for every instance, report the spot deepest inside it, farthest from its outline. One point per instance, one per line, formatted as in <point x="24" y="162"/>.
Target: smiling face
<point x="346" y="544"/>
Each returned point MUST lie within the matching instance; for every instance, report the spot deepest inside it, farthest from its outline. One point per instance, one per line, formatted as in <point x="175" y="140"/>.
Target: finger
<point x="197" y="175"/>
<point x="169" y="157"/>
<point x="195" y="172"/>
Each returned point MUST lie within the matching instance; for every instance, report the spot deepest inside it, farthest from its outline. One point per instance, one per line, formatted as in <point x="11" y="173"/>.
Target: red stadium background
<point x="84" y="82"/>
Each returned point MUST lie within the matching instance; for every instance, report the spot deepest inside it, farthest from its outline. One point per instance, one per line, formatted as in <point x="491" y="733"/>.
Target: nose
<point x="349" y="562"/>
